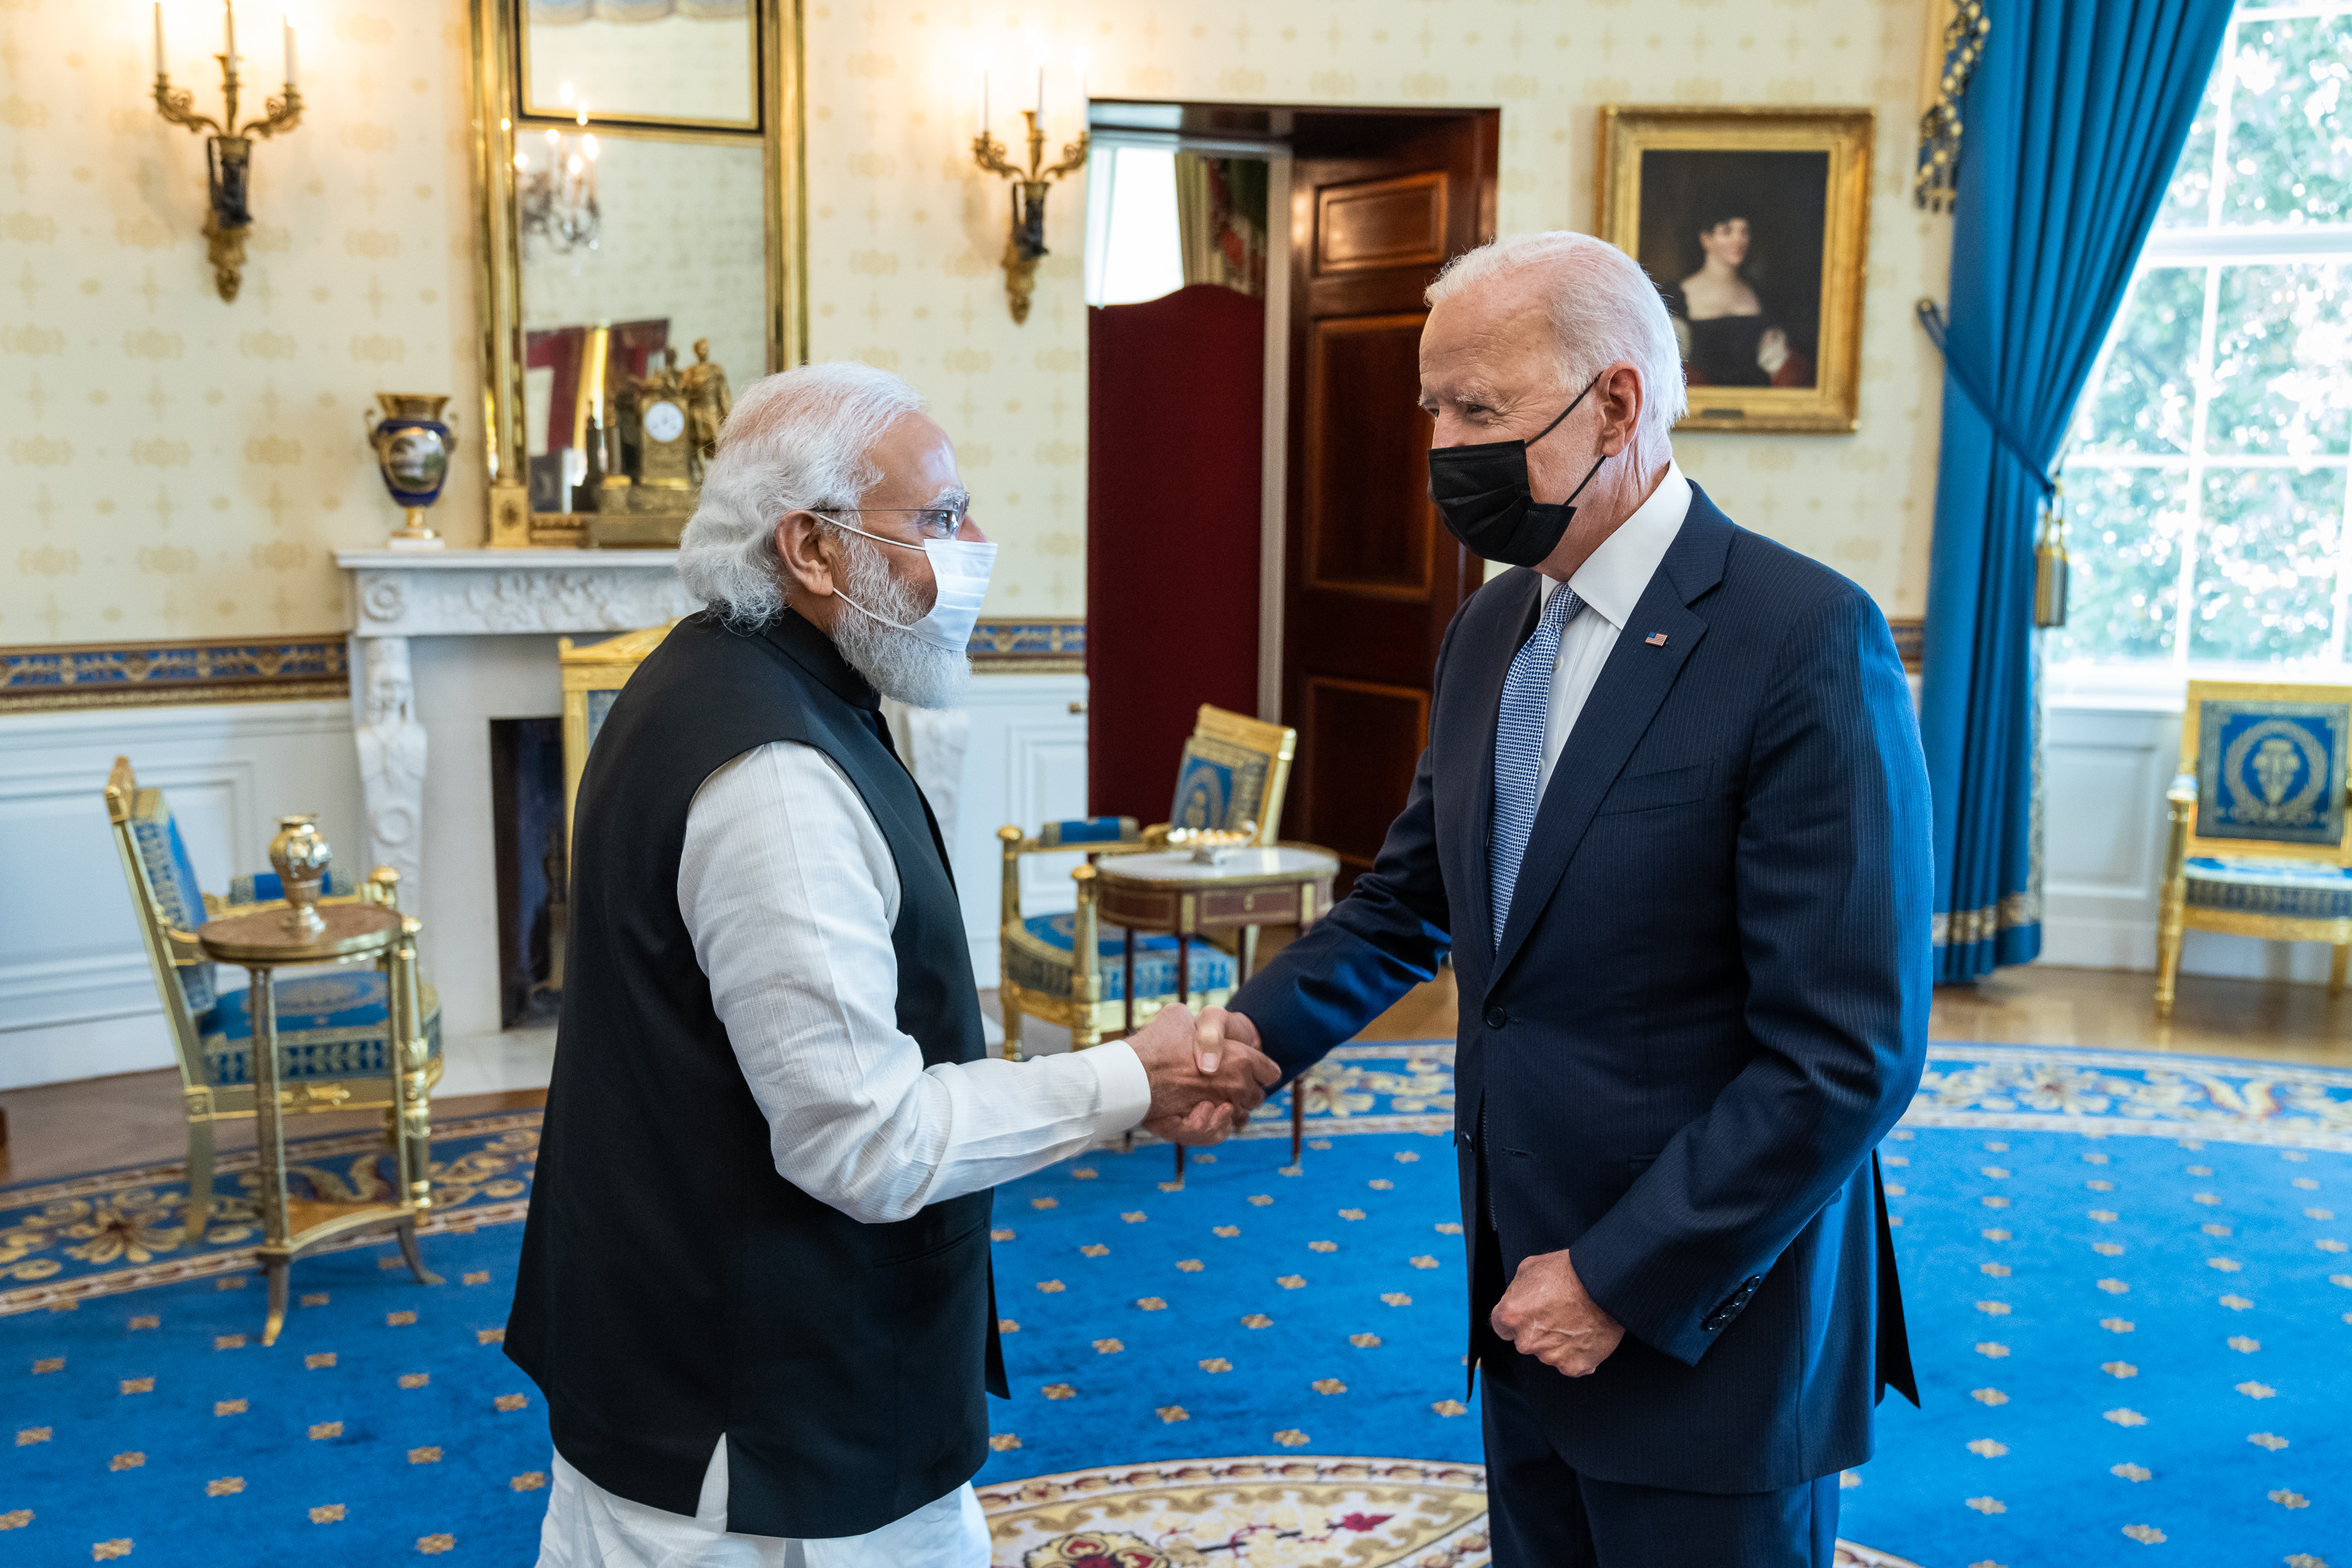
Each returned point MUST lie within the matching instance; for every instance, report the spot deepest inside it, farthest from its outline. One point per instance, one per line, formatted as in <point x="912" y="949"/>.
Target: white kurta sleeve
<point x="790" y="891"/>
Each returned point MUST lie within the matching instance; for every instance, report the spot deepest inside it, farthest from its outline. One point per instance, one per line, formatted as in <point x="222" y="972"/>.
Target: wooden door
<point x="1372" y="577"/>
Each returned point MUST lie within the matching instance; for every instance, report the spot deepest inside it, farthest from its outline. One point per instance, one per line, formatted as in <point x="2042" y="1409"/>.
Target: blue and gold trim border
<point x="1910" y="641"/>
<point x="1039" y="647"/>
<point x="147" y="674"/>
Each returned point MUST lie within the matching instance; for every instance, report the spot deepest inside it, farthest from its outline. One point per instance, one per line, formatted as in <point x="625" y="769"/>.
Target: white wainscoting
<point x="1025" y="765"/>
<point x="2105" y="766"/>
<point x="76" y="997"/>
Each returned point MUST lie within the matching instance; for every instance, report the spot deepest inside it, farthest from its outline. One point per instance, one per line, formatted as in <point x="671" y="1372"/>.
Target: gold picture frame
<point x="500" y="119"/>
<point x="1787" y="356"/>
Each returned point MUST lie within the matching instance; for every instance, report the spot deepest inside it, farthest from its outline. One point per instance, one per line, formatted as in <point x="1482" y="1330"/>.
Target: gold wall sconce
<point x="1026" y="245"/>
<point x="228" y="150"/>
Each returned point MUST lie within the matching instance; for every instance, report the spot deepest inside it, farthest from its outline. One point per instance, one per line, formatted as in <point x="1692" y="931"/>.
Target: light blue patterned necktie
<point x="1519" y="748"/>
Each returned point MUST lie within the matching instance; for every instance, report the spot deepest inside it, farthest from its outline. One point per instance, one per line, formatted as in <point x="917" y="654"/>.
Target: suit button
<point x="1715" y="1322"/>
<point x="1496" y="1017"/>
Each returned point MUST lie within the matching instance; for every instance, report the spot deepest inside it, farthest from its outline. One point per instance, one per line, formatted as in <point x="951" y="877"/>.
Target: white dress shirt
<point x="789" y="891"/>
<point x="1611" y="582"/>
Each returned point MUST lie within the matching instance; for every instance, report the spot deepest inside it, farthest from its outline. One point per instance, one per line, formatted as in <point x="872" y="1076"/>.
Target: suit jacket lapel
<point x="1632" y="685"/>
<point x="1482" y="674"/>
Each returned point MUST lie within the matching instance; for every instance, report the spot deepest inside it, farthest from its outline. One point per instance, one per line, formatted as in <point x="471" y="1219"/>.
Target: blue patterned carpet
<point x="2127" y="1285"/>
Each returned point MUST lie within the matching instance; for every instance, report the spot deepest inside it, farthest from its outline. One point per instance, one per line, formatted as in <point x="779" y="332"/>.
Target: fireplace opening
<point x="527" y="826"/>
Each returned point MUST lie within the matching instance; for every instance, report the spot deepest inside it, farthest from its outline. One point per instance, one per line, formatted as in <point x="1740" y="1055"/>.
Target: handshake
<point x="1207" y="1073"/>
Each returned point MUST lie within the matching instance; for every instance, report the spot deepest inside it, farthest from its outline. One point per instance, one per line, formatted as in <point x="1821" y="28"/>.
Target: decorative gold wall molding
<point x="1041" y="645"/>
<point x="149" y="674"/>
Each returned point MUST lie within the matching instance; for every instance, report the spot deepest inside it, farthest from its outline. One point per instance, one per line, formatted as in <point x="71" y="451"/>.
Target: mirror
<point x="638" y="265"/>
<point x="672" y="62"/>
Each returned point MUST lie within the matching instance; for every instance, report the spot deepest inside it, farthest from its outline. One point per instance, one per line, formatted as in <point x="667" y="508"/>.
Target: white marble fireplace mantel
<point x="483" y="593"/>
<point x="442" y="642"/>
<point x="445" y="641"/>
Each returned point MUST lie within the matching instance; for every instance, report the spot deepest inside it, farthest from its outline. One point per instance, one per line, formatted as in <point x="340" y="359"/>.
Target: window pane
<point x="2144" y="397"/>
<point x="2189" y="201"/>
<point x="2124" y="531"/>
<point x="2266" y="568"/>
<point x="2290" y="154"/>
<point x="2281" y="341"/>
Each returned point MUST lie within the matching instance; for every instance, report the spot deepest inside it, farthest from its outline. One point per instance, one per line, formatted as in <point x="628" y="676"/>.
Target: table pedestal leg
<point x="1128" y="990"/>
<point x="1297" y="1115"/>
<point x="269" y="1136"/>
<point x="277" y="1269"/>
<point x="1184" y="970"/>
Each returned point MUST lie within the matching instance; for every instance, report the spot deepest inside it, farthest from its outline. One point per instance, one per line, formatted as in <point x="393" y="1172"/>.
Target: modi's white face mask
<point x="961" y="568"/>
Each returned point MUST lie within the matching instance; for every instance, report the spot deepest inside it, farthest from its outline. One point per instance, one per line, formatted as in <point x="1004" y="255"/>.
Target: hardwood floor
<point x="97" y="1123"/>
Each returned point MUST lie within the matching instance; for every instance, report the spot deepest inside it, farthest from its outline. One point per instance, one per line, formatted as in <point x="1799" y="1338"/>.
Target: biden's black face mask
<point x="1483" y="494"/>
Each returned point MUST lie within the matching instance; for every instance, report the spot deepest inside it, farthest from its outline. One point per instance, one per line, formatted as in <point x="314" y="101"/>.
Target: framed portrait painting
<point x="1752" y="224"/>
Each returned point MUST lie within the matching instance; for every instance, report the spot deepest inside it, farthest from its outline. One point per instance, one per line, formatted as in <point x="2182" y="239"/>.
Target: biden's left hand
<point x="1547" y="1314"/>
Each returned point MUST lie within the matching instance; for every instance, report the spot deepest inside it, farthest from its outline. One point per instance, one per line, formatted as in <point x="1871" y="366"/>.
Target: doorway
<point x="1262" y="540"/>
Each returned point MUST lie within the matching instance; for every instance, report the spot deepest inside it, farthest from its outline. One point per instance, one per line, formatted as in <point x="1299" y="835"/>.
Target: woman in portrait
<point x="1729" y="338"/>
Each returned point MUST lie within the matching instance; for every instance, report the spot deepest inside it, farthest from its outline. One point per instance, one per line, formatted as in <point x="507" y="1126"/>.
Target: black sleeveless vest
<point x="673" y="1287"/>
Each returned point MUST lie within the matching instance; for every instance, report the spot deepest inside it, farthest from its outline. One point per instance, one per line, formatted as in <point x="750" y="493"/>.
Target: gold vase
<point x="299" y="857"/>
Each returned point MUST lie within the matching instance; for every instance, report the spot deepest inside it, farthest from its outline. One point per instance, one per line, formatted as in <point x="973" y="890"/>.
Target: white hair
<point x="1604" y="309"/>
<point x="794" y="441"/>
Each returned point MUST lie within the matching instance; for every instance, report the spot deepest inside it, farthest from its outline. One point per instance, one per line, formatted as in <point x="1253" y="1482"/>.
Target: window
<point x="2206" y="471"/>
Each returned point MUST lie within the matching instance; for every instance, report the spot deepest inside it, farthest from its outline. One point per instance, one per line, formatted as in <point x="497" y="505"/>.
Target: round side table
<point x="261" y="944"/>
<point x="1284" y="884"/>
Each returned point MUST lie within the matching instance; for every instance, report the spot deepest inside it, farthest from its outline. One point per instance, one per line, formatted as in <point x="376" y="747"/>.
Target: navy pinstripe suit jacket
<point x="1708" y="1004"/>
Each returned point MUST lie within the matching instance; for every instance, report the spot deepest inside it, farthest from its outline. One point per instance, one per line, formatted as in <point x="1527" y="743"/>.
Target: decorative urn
<point x="413" y="445"/>
<point x="301" y="857"/>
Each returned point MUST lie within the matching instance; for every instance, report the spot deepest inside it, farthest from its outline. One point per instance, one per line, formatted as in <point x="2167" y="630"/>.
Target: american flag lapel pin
<point x="1656" y="639"/>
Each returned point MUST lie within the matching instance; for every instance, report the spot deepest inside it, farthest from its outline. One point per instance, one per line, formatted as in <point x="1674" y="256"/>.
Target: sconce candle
<point x="228" y="149"/>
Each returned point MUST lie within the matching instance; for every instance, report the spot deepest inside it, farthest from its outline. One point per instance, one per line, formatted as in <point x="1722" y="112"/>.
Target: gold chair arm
<point x="1086" y="974"/>
<point x="183" y="947"/>
<point x="1010" y="898"/>
<point x="2180" y="802"/>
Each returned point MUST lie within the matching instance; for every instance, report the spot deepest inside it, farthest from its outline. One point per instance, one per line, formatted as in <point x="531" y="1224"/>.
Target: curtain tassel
<point x="2050" y="565"/>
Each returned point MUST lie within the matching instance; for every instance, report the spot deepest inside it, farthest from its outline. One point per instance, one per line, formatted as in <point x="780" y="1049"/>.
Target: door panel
<point x="1350" y="732"/>
<point x="1381" y="223"/>
<point x="1372" y="577"/>
<point x="1368" y="518"/>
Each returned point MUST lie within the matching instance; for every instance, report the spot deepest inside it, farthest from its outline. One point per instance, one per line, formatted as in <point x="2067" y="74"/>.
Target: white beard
<point x="895" y="661"/>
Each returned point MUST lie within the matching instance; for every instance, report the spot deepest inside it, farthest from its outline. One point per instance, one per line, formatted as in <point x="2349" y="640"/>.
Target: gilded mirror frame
<point x="499" y="122"/>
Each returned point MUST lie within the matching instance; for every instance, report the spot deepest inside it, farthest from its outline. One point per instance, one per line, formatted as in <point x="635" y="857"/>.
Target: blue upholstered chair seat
<point x="2293" y="889"/>
<point x="1037" y="959"/>
<point x="330" y="1025"/>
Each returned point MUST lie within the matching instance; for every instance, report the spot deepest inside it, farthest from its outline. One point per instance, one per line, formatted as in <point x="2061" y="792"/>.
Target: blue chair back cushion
<point x="1038" y="959"/>
<point x="1090" y="830"/>
<point x="330" y="1025"/>
<point x="2290" y="889"/>
<point x="2272" y="770"/>
<point x="264" y="886"/>
<point x="171" y="877"/>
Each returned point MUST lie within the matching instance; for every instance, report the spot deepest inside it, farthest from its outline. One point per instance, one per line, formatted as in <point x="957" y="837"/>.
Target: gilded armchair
<point x="333" y="1043"/>
<point x="2260" y="843"/>
<point x="1232" y="777"/>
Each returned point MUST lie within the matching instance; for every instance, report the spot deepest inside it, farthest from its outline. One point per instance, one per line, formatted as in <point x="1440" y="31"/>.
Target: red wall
<point x="1175" y="404"/>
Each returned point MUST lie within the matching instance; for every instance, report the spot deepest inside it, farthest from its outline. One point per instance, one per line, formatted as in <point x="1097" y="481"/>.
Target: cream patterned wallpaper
<point x="181" y="468"/>
<point x="904" y="238"/>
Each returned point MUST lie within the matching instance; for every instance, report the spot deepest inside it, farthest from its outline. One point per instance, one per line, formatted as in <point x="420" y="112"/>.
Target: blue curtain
<point x="2073" y="122"/>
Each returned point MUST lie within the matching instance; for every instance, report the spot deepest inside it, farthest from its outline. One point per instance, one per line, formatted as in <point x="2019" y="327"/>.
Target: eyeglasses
<point x="931" y="521"/>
